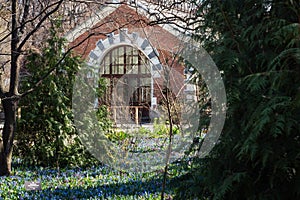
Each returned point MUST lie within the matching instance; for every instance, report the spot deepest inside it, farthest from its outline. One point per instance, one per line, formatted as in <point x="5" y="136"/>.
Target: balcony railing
<point x="121" y="114"/>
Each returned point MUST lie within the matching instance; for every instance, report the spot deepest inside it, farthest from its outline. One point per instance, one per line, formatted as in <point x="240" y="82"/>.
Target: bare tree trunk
<point x="10" y="100"/>
<point x="170" y="134"/>
<point x="6" y="146"/>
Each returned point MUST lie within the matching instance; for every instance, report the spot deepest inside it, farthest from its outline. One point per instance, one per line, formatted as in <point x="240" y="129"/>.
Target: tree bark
<point x="10" y="100"/>
<point x="6" y="145"/>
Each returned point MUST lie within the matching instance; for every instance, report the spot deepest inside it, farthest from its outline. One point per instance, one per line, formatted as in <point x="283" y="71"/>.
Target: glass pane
<point x="106" y="64"/>
<point x="143" y="69"/>
<point x="135" y="52"/>
<point x="135" y="69"/>
<point x="128" y="60"/>
<point x="121" y="51"/>
<point x="130" y="50"/>
<point x="128" y="69"/>
<point x="106" y="71"/>
<point x="146" y="93"/>
<point x="121" y="69"/>
<point x="135" y="60"/>
<point x="121" y="60"/>
<point x="116" y="60"/>
<point x="107" y="59"/>
<point x="115" y="69"/>
<point x="115" y="56"/>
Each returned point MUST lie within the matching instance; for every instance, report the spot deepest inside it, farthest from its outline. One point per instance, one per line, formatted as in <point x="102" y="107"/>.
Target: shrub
<point x="256" y="44"/>
<point x="46" y="134"/>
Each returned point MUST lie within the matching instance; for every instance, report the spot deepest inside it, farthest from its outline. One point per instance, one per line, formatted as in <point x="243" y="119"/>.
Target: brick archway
<point x="123" y="38"/>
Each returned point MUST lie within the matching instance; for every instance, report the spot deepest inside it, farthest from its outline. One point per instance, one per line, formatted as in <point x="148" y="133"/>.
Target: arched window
<point x="137" y="82"/>
<point x="125" y="59"/>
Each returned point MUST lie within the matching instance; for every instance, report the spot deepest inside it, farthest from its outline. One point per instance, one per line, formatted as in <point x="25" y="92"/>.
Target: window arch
<point x="125" y="59"/>
<point x="137" y="82"/>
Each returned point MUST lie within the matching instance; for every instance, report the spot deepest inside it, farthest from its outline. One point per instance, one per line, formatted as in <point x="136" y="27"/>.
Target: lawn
<point x="100" y="182"/>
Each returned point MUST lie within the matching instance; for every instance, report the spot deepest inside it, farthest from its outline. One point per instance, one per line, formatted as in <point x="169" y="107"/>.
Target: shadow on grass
<point x="130" y="188"/>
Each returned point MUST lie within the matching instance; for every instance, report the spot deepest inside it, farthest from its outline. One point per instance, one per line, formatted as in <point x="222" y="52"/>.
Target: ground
<point x="98" y="182"/>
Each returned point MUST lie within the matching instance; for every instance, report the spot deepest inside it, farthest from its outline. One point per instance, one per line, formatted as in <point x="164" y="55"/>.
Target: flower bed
<point x="91" y="183"/>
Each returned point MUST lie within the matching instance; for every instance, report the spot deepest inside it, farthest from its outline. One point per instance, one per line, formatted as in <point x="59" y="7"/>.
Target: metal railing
<point x="127" y="113"/>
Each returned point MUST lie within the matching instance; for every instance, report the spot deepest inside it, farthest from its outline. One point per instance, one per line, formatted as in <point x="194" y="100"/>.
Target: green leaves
<point x="46" y="133"/>
<point x="256" y="44"/>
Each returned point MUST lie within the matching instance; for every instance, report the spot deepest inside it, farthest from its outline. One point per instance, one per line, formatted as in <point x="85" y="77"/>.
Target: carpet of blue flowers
<point x="99" y="182"/>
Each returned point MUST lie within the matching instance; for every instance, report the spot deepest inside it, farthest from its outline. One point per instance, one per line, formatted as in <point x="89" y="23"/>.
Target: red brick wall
<point x="126" y="17"/>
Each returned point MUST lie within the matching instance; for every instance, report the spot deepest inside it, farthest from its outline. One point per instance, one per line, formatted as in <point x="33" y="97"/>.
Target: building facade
<point x="138" y="62"/>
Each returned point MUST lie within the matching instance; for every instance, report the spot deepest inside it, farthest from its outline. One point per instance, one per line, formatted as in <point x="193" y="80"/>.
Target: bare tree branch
<point x="25" y="15"/>
<point x="38" y="83"/>
<point x="39" y="25"/>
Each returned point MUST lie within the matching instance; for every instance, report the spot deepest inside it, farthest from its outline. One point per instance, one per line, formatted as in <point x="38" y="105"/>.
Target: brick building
<point x="136" y="60"/>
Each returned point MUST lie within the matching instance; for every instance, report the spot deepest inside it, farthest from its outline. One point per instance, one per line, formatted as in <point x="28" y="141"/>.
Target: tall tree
<point x="11" y="97"/>
<point x="256" y="43"/>
<point x="26" y="24"/>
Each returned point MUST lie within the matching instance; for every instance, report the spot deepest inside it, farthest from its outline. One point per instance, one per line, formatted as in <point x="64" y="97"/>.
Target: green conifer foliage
<point x="257" y="45"/>
<point x="46" y="133"/>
